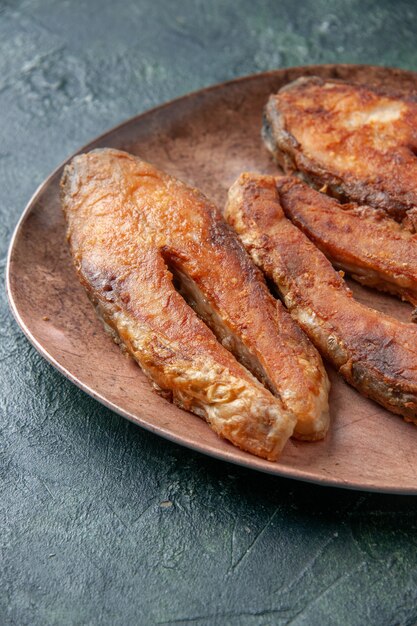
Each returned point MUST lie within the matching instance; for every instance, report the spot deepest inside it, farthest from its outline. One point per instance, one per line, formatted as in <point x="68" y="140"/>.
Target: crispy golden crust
<point x="375" y="353"/>
<point x="130" y="229"/>
<point x="371" y="247"/>
<point x="359" y="141"/>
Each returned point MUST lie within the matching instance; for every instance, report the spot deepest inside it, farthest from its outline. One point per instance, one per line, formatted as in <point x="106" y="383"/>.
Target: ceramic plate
<point x="206" y="139"/>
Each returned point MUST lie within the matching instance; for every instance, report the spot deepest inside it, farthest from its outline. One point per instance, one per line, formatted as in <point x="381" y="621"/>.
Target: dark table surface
<point x="102" y="522"/>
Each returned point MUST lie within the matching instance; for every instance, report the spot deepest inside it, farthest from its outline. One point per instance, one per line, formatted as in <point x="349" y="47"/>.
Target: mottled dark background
<point x="104" y="523"/>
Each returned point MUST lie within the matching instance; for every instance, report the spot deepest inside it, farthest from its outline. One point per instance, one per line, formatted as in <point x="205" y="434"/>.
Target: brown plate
<point x="206" y="138"/>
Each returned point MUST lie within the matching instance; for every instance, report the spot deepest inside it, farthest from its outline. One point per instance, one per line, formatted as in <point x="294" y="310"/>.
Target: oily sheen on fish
<point x="156" y="259"/>
<point x="370" y="246"/>
<point x="359" y="142"/>
<point x="375" y="353"/>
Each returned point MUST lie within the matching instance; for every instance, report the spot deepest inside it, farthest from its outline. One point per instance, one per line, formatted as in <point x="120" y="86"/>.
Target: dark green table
<point x="104" y="523"/>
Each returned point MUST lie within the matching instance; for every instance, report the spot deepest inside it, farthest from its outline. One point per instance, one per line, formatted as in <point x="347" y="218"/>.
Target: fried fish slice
<point x="371" y="247"/>
<point x="133" y="230"/>
<point x="359" y="141"/>
<point x="374" y="352"/>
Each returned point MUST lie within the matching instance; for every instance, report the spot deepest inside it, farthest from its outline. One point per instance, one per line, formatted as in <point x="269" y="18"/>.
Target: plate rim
<point x="273" y="468"/>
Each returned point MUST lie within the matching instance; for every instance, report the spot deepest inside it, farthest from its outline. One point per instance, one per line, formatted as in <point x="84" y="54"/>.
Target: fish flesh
<point x="375" y="353"/>
<point x="358" y="142"/>
<point x="367" y="244"/>
<point x="176" y="289"/>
